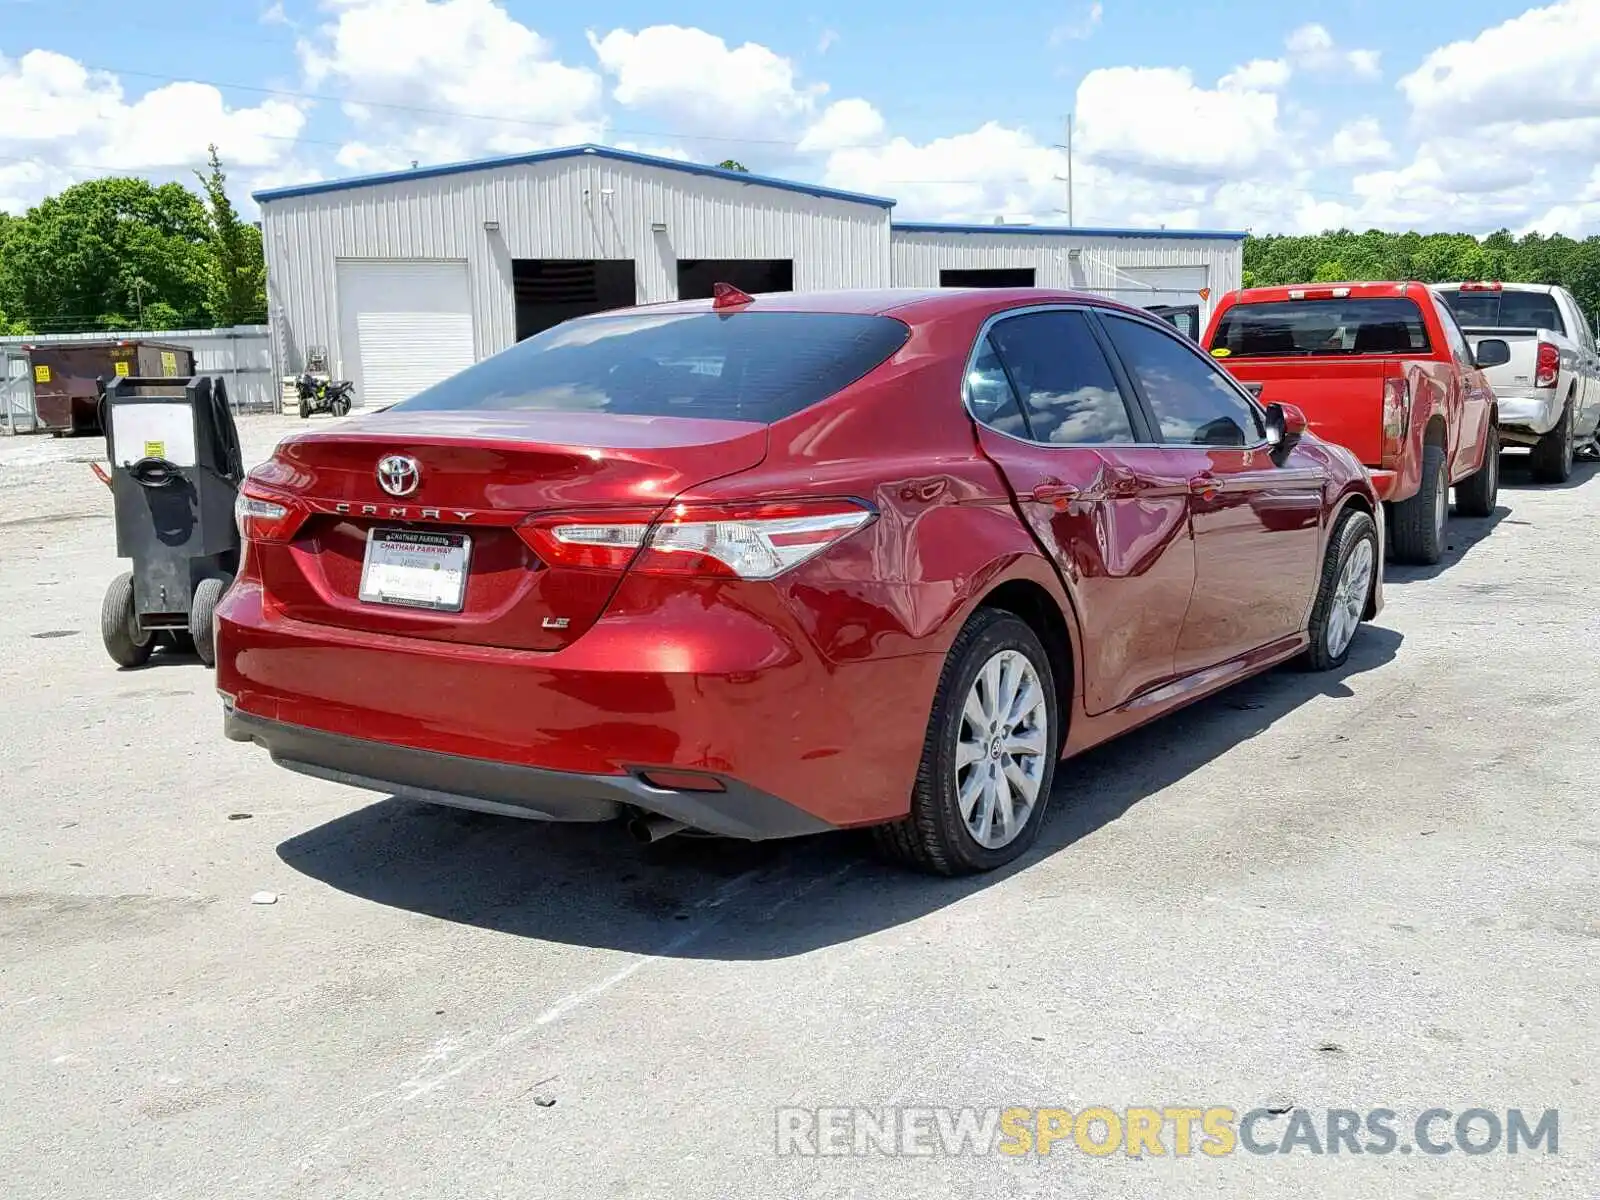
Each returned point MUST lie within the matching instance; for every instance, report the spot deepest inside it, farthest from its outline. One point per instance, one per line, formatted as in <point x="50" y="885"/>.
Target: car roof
<point x="1546" y="288"/>
<point x="907" y="304"/>
<point x="1354" y="290"/>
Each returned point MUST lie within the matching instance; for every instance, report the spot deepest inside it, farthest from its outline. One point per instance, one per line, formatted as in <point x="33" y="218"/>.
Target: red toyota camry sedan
<point x="767" y="566"/>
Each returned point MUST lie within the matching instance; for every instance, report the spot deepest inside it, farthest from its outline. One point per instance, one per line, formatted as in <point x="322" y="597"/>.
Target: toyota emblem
<point x="398" y="474"/>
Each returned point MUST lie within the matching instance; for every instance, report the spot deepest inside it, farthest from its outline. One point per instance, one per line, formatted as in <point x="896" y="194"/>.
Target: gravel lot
<point x="1370" y="889"/>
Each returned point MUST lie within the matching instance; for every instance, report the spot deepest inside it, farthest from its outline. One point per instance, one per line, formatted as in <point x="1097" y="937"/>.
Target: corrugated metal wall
<point x="241" y="354"/>
<point x="582" y="208"/>
<point x="1096" y="267"/>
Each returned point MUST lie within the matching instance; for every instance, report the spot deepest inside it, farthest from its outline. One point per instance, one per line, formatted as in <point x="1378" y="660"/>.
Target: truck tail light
<point x="1547" y="366"/>
<point x="1396" y="417"/>
<point x="264" y="516"/>
<point x="732" y="541"/>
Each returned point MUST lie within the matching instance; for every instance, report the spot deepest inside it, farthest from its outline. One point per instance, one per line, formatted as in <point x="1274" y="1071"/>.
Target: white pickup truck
<point x="1548" y="389"/>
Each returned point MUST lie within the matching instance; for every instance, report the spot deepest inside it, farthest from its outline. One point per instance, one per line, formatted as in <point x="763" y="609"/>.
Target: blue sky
<point x="1466" y="114"/>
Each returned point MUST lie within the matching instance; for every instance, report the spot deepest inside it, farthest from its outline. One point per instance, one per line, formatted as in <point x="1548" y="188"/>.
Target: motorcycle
<point x="324" y="395"/>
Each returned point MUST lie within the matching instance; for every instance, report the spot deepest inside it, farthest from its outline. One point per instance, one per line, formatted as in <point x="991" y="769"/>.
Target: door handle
<point x="1055" y="492"/>
<point x="1205" y="485"/>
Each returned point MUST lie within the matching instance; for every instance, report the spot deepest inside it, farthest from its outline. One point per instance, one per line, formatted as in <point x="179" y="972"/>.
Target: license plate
<point x="416" y="569"/>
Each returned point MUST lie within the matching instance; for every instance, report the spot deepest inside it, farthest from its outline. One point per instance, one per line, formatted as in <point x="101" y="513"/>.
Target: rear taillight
<point x="263" y="516"/>
<point x="1547" y="366"/>
<point x="733" y="541"/>
<point x="1396" y="417"/>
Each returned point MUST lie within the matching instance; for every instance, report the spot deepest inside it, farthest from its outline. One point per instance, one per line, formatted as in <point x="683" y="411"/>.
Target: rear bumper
<point x="798" y="742"/>
<point x="508" y="790"/>
<point x="1529" y="411"/>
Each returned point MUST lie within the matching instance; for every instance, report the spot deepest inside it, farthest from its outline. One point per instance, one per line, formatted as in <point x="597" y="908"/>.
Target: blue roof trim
<point x="1216" y="235"/>
<point x="540" y="156"/>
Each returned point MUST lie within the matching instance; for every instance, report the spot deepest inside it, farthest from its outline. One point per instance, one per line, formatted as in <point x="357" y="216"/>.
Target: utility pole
<point x="1070" y="221"/>
<point x="1068" y="179"/>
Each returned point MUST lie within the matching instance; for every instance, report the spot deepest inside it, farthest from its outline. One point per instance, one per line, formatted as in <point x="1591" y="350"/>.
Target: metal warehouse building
<point x="403" y="279"/>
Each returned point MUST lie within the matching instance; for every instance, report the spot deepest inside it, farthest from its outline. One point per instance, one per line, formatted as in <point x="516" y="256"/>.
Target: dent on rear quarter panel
<point x="946" y="531"/>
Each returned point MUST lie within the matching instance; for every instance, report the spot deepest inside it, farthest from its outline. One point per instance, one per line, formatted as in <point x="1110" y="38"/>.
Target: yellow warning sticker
<point x="41" y="374"/>
<point x="1221" y="352"/>
<point x="155" y="449"/>
<point x="121" y="368"/>
<point x="169" y="363"/>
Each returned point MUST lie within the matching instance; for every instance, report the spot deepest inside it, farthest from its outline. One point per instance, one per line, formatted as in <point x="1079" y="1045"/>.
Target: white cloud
<point x="1258" y="75"/>
<point x="696" y="80"/>
<point x="1360" y="142"/>
<point x="64" y="123"/>
<point x="1541" y="66"/>
<point x="443" y="79"/>
<point x="828" y="39"/>
<point x="844" y="123"/>
<point x="993" y="170"/>
<point x="1157" y="120"/>
<point x="1312" y="48"/>
<point x="1079" y="27"/>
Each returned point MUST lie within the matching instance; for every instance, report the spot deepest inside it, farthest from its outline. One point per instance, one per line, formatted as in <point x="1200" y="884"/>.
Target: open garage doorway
<point x="697" y="276"/>
<point x="551" y="290"/>
<point x="992" y="277"/>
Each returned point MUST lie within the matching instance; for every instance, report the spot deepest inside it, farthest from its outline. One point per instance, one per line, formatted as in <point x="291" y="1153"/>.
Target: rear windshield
<point x="748" y="366"/>
<point x="1382" y="325"/>
<point x="1505" y="310"/>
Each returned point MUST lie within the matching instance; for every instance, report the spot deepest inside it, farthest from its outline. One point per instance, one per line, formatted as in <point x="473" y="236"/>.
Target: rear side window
<point x="749" y="366"/>
<point x="1381" y="325"/>
<point x="1505" y="310"/>
<point x="1066" y="386"/>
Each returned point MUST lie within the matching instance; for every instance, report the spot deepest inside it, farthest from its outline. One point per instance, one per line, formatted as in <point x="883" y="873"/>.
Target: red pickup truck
<point x="1384" y="369"/>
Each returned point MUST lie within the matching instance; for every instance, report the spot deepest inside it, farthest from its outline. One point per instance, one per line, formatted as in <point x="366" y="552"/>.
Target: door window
<point x="1454" y="337"/>
<point x="1065" y="385"/>
<point x="1193" y="402"/>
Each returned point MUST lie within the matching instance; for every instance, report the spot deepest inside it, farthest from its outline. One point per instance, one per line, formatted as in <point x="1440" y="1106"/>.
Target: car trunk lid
<point x="477" y="476"/>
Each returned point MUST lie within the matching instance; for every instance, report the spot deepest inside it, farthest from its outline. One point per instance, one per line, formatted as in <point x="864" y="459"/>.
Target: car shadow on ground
<point x="1463" y="534"/>
<point x="689" y="897"/>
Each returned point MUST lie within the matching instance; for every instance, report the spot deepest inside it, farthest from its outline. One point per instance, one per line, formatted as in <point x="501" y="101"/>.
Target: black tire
<point x="933" y="837"/>
<point x="119" y="627"/>
<point x="340" y="406"/>
<point x="1418" y="529"/>
<point x="202" y="619"/>
<point x="1551" y="459"/>
<point x="1477" y="494"/>
<point x="305" y="410"/>
<point x="1353" y="529"/>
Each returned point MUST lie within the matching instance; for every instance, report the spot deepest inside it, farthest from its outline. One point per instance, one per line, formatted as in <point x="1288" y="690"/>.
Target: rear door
<point x="1052" y="415"/>
<point x="1256" y="525"/>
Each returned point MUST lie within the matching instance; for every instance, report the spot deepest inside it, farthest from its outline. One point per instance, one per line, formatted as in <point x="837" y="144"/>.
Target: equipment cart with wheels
<point x="175" y="470"/>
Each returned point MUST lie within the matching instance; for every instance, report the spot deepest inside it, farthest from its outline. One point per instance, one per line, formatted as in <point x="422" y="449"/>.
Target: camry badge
<point x="398" y="474"/>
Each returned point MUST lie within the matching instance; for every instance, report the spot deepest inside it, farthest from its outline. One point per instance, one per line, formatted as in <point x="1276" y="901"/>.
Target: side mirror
<point x="1286" y="424"/>
<point x="1492" y="352"/>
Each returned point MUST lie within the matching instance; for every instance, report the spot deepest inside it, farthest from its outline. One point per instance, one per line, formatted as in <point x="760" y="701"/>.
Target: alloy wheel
<point x="1350" y="597"/>
<point x="1001" y="749"/>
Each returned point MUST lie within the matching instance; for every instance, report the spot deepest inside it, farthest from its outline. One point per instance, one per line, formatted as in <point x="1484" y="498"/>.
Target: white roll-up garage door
<point x="403" y="325"/>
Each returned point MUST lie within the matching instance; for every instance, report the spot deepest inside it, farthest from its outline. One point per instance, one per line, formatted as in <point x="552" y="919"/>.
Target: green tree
<point x="238" y="287"/>
<point x="733" y="164"/>
<point x="109" y="253"/>
<point x="1337" y="255"/>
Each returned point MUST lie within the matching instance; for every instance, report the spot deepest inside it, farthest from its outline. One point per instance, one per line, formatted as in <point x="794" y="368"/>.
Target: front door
<point x="1112" y="515"/>
<point x="1257" y="525"/>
